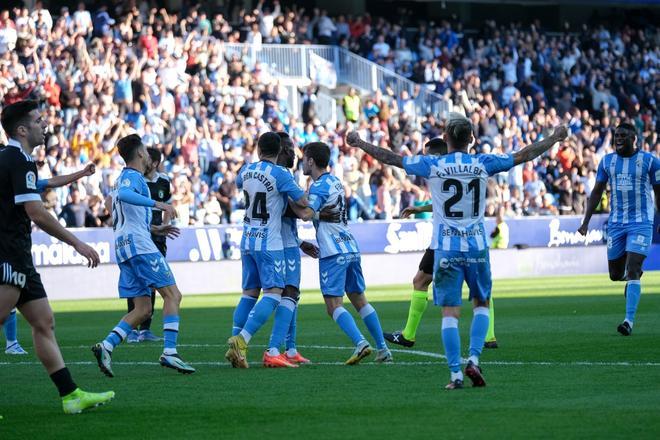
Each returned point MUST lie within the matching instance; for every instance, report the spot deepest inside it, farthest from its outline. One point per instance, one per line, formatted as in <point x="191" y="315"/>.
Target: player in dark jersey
<point x="161" y="191"/>
<point x="20" y="284"/>
<point x="10" y="327"/>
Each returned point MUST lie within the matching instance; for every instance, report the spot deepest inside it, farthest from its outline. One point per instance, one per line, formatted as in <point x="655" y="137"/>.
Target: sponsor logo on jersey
<point x="126" y="182"/>
<point x="30" y="180"/>
<point x="624" y="182"/>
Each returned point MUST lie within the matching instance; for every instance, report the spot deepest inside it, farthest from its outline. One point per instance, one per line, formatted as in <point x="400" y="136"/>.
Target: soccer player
<point x="10" y="327"/>
<point x="339" y="265"/>
<point x="20" y="284"/>
<point x="284" y="323"/>
<point x="266" y="187"/>
<point x="458" y="188"/>
<point x="160" y="190"/>
<point x="141" y="266"/>
<point x="630" y="173"/>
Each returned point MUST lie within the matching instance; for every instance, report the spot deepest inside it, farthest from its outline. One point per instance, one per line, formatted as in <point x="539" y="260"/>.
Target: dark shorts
<point x="426" y="265"/>
<point x="161" y="244"/>
<point x="27" y="279"/>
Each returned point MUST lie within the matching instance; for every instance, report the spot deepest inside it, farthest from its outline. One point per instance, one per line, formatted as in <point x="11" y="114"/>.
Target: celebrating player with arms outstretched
<point x="458" y="188"/>
<point x="631" y="173"/>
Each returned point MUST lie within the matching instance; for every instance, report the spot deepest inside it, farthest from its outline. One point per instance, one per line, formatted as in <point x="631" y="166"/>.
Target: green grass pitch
<point x="562" y="372"/>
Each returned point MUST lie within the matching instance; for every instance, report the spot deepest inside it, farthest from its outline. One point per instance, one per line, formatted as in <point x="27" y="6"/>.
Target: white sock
<point x="169" y="351"/>
<point x="291" y="352"/>
<point x="474" y="360"/>
<point x="273" y="352"/>
<point x="629" y="323"/>
<point x="247" y="336"/>
<point x="457" y="375"/>
<point x="10" y="343"/>
<point x="107" y="346"/>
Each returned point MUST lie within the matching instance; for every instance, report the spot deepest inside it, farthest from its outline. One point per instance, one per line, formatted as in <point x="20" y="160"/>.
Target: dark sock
<point x="146" y="325"/>
<point x="63" y="381"/>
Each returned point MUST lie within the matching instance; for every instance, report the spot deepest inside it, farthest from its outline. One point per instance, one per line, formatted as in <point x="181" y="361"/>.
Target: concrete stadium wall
<point x="75" y="282"/>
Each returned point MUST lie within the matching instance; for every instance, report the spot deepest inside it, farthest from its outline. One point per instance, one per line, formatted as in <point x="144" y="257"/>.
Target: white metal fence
<point x="292" y="60"/>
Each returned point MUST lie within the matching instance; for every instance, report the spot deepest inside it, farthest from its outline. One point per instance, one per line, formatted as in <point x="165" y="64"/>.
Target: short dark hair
<point x="128" y="146"/>
<point x="436" y="146"/>
<point x="459" y="132"/>
<point x="155" y="154"/>
<point x="319" y="153"/>
<point x="627" y="126"/>
<point x="14" y="115"/>
<point x="269" y="144"/>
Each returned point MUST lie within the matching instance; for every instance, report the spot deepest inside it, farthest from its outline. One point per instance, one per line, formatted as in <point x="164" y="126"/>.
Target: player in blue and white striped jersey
<point x="634" y="177"/>
<point x="266" y="189"/>
<point x="339" y="265"/>
<point x="458" y="188"/>
<point x="141" y="266"/>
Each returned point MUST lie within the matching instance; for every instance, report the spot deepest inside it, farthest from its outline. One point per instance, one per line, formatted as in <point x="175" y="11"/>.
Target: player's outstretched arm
<point x="592" y="204"/>
<point x="380" y="154"/>
<point x="38" y="214"/>
<point x="531" y="152"/>
<point x="411" y="210"/>
<point x="57" y="181"/>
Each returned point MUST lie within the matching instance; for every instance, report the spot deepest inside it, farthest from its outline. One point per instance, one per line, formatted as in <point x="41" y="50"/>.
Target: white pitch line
<point x="426" y="354"/>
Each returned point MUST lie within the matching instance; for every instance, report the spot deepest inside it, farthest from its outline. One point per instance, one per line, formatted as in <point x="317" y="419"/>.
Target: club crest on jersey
<point x="31" y="180"/>
<point x="161" y="194"/>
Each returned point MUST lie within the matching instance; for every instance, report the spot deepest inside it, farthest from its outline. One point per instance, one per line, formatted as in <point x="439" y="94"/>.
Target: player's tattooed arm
<point x="531" y="152"/>
<point x="382" y="155"/>
<point x="592" y="204"/>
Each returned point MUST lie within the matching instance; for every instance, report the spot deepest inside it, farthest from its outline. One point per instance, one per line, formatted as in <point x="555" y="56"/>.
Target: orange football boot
<point x="278" y="361"/>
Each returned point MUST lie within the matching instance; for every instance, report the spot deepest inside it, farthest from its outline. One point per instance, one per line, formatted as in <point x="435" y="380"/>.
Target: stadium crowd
<point x="168" y="77"/>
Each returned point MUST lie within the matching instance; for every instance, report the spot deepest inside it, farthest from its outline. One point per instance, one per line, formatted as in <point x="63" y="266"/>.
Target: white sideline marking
<point x="426" y="354"/>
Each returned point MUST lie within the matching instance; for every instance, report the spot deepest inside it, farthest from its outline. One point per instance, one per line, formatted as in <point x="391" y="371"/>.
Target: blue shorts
<point x="141" y="273"/>
<point x="292" y="277"/>
<point x="451" y="268"/>
<point x="263" y="269"/>
<point x="631" y="237"/>
<point x="341" y="273"/>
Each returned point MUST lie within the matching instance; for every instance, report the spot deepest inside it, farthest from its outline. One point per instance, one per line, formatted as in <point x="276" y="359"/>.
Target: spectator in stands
<point x="351" y="105"/>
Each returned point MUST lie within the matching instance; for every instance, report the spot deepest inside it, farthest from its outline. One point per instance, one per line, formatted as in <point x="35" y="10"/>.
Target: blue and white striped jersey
<point x="332" y="238"/>
<point x="266" y="188"/>
<point x="631" y="181"/>
<point x="131" y="223"/>
<point x="458" y="190"/>
<point x="290" y="232"/>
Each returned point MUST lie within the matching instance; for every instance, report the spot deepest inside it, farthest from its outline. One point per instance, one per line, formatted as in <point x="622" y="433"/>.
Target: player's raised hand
<point x="89" y="169"/>
<point x="353" y="139"/>
<point x="169" y="231"/>
<point x="166" y="207"/>
<point x="407" y="212"/>
<point x="89" y="253"/>
<point x="309" y="249"/>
